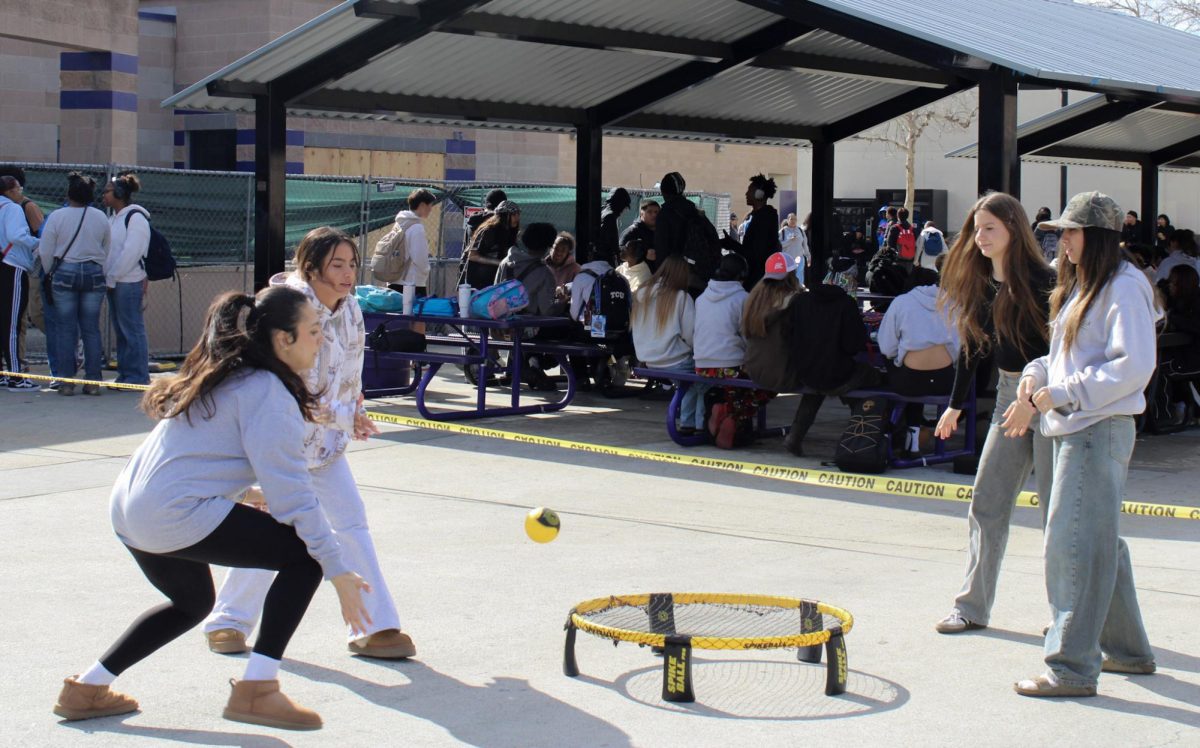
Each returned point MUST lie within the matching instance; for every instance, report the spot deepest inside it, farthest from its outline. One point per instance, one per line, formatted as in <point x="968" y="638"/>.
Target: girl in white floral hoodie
<point x="326" y="270"/>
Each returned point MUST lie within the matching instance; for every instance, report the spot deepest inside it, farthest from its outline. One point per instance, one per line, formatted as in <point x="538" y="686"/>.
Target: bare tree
<point x="902" y="134"/>
<point x="1180" y="14"/>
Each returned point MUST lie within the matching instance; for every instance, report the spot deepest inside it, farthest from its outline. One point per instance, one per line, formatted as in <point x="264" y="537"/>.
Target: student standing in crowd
<point x="18" y="245"/>
<point x="171" y="505"/>
<point x="490" y="243"/>
<point x="996" y="285"/>
<point x="663" y="322"/>
<point x="326" y="270"/>
<point x="34" y="308"/>
<point x="1131" y="230"/>
<point x="761" y="238"/>
<point x="607" y="248"/>
<point x="1162" y="233"/>
<point x="129" y="228"/>
<point x="793" y="240"/>
<point x="74" y="247"/>
<point x="1087" y="390"/>
<point x="643" y="229"/>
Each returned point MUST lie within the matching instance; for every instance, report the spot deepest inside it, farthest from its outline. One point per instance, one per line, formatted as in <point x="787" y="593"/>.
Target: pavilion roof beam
<point x="888" y="110"/>
<point x="735" y="129"/>
<point x="690" y="74"/>
<point x="436" y="107"/>
<point x="1176" y="151"/>
<point x="357" y="51"/>
<point x="1080" y="123"/>
<point x="586" y="37"/>
<point x="805" y="62"/>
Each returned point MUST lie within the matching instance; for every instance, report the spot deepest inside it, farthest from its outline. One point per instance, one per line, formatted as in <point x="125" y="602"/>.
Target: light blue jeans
<point x="78" y="292"/>
<point x="133" y="350"/>
<point x="48" y="322"/>
<point x="691" y="410"/>
<point x="1089" y="577"/>
<point x="1004" y="469"/>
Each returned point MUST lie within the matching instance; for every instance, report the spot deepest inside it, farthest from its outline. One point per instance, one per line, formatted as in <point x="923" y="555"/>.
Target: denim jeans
<point x="1004" y="468"/>
<point x="1089" y="577"/>
<point x="78" y="291"/>
<point x="50" y="328"/>
<point x="133" y="351"/>
<point x="691" y="410"/>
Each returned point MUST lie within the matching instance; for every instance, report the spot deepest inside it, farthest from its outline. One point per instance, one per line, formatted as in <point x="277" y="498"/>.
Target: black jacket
<point x="606" y="248"/>
<point x="760" y="241"/>
<point x="671" y="228"/>
<point x="827" y="333"/>
<point x="639" y="230"/>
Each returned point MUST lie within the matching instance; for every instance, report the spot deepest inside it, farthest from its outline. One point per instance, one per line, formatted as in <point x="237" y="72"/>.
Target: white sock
<point x="261" y="667"/>
<point x="97" y="675"/>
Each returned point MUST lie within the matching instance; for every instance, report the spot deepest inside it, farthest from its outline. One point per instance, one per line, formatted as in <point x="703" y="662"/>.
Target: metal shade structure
<point x="1105" y="129"/>
<point x="754" y="71"/>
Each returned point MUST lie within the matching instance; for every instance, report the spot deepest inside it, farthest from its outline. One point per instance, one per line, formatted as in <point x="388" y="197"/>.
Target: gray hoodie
<point x="913" y="323"/>
<point x="531" y="269"/>
<point x="718" y="338"/>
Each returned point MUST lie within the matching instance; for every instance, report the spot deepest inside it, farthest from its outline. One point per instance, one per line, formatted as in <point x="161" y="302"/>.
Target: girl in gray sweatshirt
<point x="1088" y="388"/>
<point x="235" y="415"/>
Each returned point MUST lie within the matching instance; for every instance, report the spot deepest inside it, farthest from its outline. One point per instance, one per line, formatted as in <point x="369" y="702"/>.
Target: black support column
<point x="999" y="159"/>
<point x="1149" y="211"/>
<point x="270" y="159"/>
<point x="824" y="232"/>
<point x="588" y="175"/>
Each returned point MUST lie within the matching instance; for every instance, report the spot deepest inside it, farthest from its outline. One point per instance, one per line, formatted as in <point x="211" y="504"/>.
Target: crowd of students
<point x="59" y="269"/>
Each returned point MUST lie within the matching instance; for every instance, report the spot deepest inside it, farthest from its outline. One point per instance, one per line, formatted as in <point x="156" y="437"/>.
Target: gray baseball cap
<point x="1088" y="209"/>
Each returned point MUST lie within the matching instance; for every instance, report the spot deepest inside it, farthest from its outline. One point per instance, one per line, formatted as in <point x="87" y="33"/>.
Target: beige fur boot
<point x="260" y="702"/>
<point x="81" y="701"/>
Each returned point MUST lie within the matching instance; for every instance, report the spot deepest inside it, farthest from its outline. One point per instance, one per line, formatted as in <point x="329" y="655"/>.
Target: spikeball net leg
<point x="674" y="624"/>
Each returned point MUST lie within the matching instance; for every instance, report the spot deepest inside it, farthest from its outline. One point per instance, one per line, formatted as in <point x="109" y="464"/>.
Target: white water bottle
<point x="464" y="300"/>
<point x="410" y="295"/>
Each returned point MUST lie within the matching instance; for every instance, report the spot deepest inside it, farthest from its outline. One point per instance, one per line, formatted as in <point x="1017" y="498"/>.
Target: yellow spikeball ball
<point x="541" y="524"/>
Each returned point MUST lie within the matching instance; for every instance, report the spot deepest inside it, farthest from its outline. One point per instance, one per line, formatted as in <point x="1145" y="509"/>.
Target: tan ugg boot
<point x="260" y="702"/>
<point x="81" y="701"/>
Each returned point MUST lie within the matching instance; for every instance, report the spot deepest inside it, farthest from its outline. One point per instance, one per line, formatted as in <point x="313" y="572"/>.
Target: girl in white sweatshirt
<point x="664" y="318"/>
<point x="1088" y="389"/>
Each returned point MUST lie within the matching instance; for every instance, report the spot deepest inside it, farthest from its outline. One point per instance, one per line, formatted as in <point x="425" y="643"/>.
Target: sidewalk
<point x="486" y="606"/>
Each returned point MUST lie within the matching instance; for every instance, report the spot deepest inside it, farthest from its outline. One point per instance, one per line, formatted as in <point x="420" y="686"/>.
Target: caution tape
<point x="906" y="487"/>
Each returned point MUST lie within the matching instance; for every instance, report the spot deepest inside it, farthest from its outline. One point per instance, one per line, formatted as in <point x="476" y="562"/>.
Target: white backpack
<point x="391" y="261"/>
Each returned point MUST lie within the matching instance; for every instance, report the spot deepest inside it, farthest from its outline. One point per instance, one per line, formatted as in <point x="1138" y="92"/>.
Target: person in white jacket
<point x="129" y="238"/>
<point x="1088" y="389"/>
<point x="18" y="246"/>
<point x="933" y="238"/>
<point x="663" y="322"/>
<point x="327" y="266"/>
<point x="416" y="242"/>
<point x="794" y="241"/>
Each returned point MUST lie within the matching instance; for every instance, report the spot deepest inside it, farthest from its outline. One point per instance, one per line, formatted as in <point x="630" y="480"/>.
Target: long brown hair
<point x="768" y="295"/>
<point x="967" y="274"/>
<point x="1100" y="261"/>
<point x="233" y="342"/>
<point x="670" y="278"/>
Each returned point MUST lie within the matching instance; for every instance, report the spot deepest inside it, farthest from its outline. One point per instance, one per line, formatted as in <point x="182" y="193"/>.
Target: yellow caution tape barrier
<point x="916" y="489"/>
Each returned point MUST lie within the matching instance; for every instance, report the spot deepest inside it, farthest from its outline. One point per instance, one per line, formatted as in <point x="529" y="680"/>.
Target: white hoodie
<point x="416" y="244"/>
<point x="127" y="248"/>
<point x="671" y="345"/>
<point x="913" y="323"/>
<point x="337" y="377"/>
<point x="1107" y="368"/>
<point x="718" y="335"/>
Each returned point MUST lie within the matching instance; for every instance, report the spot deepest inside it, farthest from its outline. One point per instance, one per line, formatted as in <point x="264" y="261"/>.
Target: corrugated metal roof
<point x="1144" y="131"/>
<point x="501" y="70"/>
<point x="1048" y="39"/>
<point x="1101" y="49"/>
<point x="778" y="97"/>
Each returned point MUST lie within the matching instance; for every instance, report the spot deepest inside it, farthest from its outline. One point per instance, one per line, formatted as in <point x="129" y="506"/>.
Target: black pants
<point x="914" y="383"/>
<point x="14" y="293"/>
<point x="864" y="376"/>
<point x="247" y="538"/>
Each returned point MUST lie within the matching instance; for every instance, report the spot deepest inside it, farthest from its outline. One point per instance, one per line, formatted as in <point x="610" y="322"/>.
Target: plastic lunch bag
<point x="500" y="301"/>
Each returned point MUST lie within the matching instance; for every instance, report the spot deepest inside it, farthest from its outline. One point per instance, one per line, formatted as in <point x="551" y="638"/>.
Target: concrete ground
<point x="486" y="606"/>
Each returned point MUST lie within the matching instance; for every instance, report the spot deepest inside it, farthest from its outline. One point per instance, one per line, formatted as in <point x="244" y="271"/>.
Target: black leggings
<point x="14" y="292"/>
<point x="247" y="538"/>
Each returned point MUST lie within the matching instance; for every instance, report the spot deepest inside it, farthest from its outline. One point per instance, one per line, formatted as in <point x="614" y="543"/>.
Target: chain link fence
<point x="209" y="218"/>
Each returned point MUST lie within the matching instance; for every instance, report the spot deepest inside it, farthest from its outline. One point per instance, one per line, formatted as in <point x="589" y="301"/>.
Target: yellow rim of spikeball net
<point x="590" y="607"/>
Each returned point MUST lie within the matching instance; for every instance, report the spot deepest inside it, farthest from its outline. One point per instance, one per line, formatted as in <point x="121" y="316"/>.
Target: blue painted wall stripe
<point x="120" y="100"/>
<point x="246" y="136"/>
<point x="98" y="61"/>
<point x="147" y="15"/>
<point x="460" y="146"/>
<point x="180" y="136"/>
<point x="460" y="175"/>
<point x="179" y="165"/>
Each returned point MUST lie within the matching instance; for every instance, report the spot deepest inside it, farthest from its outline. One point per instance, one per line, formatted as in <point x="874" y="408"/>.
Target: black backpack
<point x="611" y="298"/>
<point x="159" y="262"/>
<point x="701" y="249"/>
<point x="863" y="447"/>
<point x="885" y="275"/>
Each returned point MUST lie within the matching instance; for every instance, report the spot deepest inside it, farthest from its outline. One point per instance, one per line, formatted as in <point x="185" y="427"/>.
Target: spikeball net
<point x="675" y="623"/>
